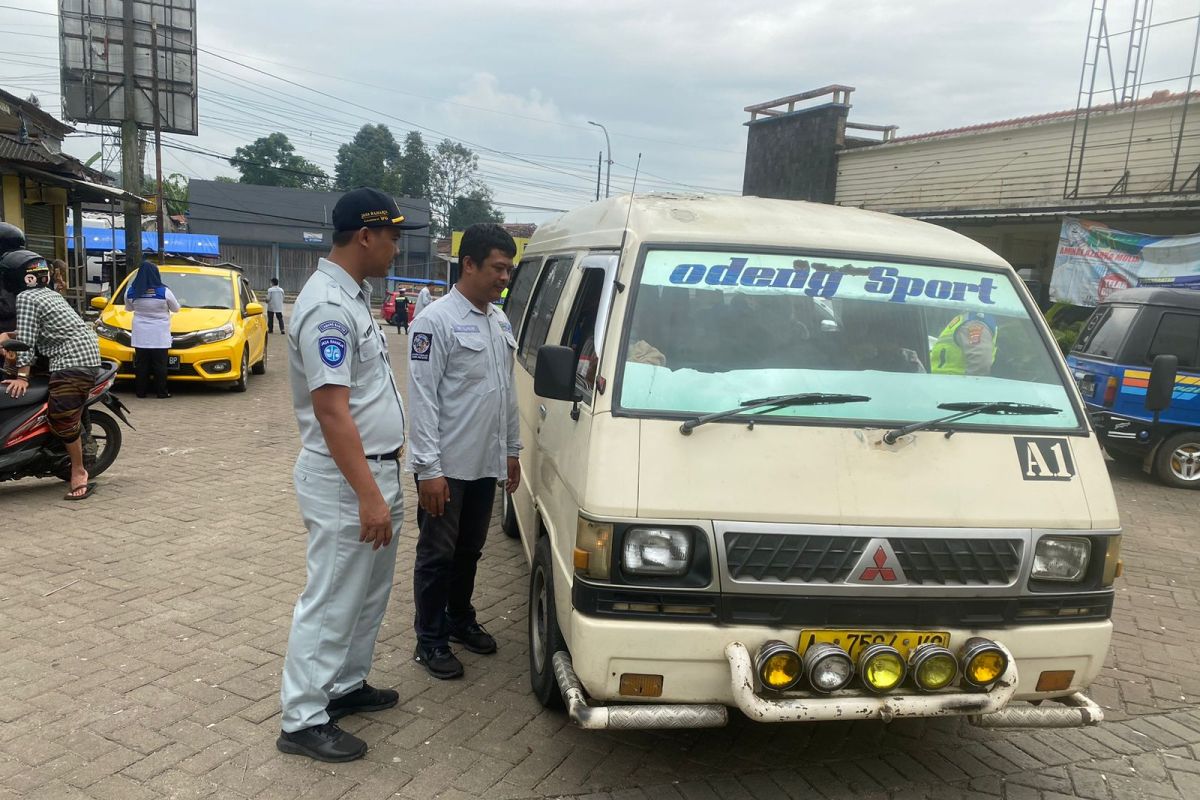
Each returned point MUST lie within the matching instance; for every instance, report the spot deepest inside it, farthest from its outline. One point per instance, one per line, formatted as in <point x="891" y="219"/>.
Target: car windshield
<point x="711" y="330"/>
<point x="192" y="289"/>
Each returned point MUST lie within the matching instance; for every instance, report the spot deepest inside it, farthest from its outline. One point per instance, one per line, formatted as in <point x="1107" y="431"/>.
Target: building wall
<point x="1023" y="166"/>
<point x="794" y="156"/>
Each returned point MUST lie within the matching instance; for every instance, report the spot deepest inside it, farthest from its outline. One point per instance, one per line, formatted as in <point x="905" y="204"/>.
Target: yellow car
<point x="219" y="334"/>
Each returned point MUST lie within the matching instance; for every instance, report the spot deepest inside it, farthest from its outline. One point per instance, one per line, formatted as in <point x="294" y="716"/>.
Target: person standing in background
<point x="152" y="305"/>
<point x="58" y="276"/>
<point x="275" y="306"/>
<point x="424" y="298"/>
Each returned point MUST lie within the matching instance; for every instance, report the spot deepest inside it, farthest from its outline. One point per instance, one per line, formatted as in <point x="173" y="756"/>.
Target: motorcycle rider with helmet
<point x="48" y="324"/>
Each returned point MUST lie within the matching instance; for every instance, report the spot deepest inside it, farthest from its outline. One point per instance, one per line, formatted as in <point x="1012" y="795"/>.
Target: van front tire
<point x="545" y="639"/>
<point x="1177" y="462"/>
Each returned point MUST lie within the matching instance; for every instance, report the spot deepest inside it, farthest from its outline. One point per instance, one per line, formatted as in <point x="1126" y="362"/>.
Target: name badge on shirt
<point x="466" y="329"/>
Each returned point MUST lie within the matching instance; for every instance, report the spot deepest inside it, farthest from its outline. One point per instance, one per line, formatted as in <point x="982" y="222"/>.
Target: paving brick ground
<point x="142" y="633"/>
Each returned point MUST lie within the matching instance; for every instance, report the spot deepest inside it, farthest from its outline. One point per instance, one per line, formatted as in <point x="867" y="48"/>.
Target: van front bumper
<point x="987" y="709"/>
<point x="699" y="664"/>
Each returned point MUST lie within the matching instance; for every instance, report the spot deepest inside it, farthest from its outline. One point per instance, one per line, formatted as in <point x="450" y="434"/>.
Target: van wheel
<point x="1177" y="462"/>
<point x="508" y="518"/>
<point x="545" y="639"/>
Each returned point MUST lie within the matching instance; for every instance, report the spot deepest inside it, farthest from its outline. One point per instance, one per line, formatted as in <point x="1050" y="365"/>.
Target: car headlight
<point x="656" y="551"/>
<point x="1061" y="558"/>
<point x="110" y="332"/>
<point x="216" y="334"/>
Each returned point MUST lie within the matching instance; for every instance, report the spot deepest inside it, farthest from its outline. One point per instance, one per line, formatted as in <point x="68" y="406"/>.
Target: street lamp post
<point x="608" y="149"/>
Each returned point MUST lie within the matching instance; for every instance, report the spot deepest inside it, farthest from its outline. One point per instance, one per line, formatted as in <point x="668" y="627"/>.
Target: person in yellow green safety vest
<point x="967" y="346"/>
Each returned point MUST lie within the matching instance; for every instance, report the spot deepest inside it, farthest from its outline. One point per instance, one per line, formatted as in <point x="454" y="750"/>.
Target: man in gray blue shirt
<point x="464" y="435"/>
<point x="347" y="478"/>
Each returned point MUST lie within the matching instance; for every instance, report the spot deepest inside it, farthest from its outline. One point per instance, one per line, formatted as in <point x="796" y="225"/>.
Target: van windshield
<point x="711" y="330"/>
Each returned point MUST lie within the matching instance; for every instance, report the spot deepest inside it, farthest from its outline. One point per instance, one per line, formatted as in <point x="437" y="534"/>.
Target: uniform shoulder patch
<point x="332" y="350"/>
<point x="334" y="325"/>
<point x="422" y="343"/>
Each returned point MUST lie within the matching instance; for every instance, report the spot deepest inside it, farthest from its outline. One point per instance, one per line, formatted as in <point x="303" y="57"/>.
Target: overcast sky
<point x="519" y="80"/>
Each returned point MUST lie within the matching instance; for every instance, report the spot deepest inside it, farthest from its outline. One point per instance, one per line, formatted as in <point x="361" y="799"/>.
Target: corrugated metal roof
<point x="1153" y="100"/>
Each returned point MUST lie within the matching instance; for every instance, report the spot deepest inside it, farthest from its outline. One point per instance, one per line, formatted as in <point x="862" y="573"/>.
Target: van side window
<point x="518" y="294"/>
<point x="580" y="332"/>
<point x="1177" y="335"/>
<point x="541" y="310"/>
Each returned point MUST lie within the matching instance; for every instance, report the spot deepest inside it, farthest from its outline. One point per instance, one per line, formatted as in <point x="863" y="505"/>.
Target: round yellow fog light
<point x="882" y="667"/>
<point x="983" y="662"/>
<point x="933" y="667"/>
<point x="778" y="666"/>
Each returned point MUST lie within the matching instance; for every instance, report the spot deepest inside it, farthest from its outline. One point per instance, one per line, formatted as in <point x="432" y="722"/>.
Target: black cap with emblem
<point x="369" y="208"/>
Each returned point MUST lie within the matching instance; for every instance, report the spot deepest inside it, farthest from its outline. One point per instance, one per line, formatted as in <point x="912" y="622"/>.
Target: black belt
<point x="392" y="456"/>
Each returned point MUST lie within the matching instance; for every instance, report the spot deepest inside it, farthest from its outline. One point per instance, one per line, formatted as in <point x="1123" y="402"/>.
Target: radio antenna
<point x="628" y="212"/>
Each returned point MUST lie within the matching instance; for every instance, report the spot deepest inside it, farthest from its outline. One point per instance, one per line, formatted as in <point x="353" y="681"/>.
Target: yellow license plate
<point x="854" y="641"/>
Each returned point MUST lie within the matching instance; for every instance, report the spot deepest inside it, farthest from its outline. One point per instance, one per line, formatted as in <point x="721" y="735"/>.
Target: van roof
<point x="1157" y="296"/>
<point x="755" y="221"/>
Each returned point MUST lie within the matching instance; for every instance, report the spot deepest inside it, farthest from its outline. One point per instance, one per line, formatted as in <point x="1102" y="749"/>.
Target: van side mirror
<point x="554" y="374"/>
<point x="1162" y="382"/>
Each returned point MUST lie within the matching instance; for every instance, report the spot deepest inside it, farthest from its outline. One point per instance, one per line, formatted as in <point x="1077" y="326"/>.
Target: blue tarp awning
<point x="191" y="244"/>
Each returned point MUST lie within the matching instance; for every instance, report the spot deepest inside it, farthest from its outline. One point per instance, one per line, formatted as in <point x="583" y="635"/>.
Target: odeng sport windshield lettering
<point x="710" y="332"/>
<point x="193" y="290"/>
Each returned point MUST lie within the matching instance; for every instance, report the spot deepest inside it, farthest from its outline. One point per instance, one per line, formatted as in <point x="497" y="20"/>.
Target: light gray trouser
<point x="338" y="615"/>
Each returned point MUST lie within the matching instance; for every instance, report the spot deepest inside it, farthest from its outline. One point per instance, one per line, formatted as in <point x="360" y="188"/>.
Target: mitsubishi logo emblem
<point x="878" y="564"/>
<point x="880" y="570"/>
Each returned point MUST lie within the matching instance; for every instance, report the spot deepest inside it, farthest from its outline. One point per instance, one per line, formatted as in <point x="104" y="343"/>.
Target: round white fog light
<point x="827" y="667"/>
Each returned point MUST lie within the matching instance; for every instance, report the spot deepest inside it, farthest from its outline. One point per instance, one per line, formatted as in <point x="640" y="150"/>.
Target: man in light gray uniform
<point x="347" y="478"/>
<point x="464" y="435"/>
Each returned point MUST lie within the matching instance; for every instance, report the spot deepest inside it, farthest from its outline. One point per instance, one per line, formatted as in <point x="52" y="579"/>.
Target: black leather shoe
<point x="325" y="742"/>
<point x="364" y="698"/>
<point x="474" y="638"/>
<point x="438" y="662"/>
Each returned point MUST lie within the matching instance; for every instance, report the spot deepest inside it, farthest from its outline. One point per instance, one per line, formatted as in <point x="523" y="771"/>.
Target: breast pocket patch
<point x="422" y="343"/>
<point x="333" y="350"/>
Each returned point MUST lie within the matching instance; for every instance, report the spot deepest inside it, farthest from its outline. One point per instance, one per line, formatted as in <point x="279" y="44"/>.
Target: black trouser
<point x="400" y="320"/>
<point x="448" y="550"/>
<point x="147" y="361"/>
<point x="271" y="316"/>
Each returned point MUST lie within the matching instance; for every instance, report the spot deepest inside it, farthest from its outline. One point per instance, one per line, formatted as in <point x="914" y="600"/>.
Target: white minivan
<point x="761" y="471"/>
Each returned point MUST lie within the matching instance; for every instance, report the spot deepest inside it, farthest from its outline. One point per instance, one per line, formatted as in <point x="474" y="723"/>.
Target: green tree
<point x="473" y="207"/>
<point x="416" y="167"/>
<point x="272" y="161"/>
<point x="371" y="158"/>
<point x="455" y="177"/>
<point x="175" y="192"/>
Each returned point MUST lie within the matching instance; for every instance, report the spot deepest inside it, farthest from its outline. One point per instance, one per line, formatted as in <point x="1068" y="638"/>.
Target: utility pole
<point x="162" y="200"/>
<point x="599" y="161"/>
<point x="131" y="168"/>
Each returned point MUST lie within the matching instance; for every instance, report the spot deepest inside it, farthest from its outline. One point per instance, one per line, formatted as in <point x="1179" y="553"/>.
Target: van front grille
<point x="792" y="558"/>
<point x="825" y="559"/>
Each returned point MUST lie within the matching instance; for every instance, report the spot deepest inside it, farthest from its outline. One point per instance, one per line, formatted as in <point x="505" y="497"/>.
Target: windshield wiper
<point x="776" y="403"/>
<point x="969" y="409"/>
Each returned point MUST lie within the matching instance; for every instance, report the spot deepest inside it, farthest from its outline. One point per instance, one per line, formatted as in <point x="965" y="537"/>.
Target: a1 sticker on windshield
<point x="1044" y="458"/>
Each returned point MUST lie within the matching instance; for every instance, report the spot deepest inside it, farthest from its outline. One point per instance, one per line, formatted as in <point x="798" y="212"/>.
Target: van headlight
<point x="1061" y="558"/>
<point x="215" y="334"/>
<point x="656" y="551"/>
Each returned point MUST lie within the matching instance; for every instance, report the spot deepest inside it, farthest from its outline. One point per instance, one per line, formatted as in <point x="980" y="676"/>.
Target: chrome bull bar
<point x="986" y="709"/>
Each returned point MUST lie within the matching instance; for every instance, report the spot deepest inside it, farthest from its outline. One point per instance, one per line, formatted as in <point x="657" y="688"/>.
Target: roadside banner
<point x="1095" y="260"/>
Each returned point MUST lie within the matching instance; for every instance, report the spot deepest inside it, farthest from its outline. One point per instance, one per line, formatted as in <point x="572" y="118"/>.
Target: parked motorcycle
<point x="29" y="449"/>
